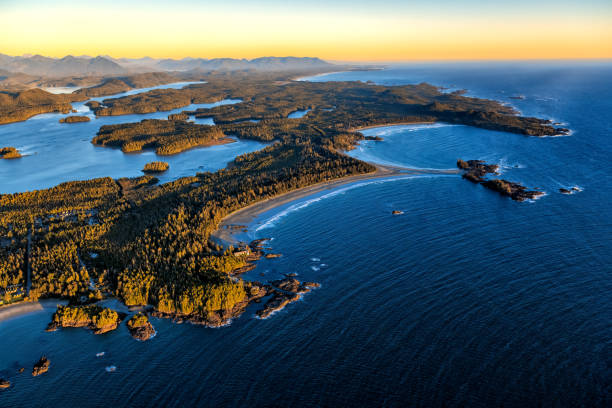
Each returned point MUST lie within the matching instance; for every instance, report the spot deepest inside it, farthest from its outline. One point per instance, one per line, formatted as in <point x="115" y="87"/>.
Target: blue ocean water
<point x="466" y="299"/>
<point x="56" y="152"/>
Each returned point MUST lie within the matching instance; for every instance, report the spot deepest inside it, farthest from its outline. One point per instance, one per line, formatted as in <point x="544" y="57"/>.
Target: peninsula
<point x="150" y="244"/>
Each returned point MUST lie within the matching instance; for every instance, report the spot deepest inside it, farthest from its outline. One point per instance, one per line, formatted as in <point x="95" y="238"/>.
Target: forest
<point x="165" y="136"/>
<point x="149" y="244"/>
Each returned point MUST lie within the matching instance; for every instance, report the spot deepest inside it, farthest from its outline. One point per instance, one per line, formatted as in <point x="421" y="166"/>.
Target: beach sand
<point x="247" y="215"/>
<point x="23" y="308"/>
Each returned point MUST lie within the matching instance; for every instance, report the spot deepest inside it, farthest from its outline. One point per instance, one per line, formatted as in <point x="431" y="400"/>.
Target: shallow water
<point x="56" y="152"/>
<point x="466" y="299"/>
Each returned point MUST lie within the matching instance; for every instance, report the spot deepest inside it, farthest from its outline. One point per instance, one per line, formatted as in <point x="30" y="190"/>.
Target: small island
<point x="156" y="167"/>
<point x="140" y="327"/>
<point x="167" y="137"/>
<point x="178" y="116"/>
<point x="569" y="191"/>
<point x="98" y="319"/>
<point x="41" y="367"/>
<point x="476" y="171"/>
<point x="9" y="153"/>
<point x="75" y="119"/>
<point x="4" y="383"/>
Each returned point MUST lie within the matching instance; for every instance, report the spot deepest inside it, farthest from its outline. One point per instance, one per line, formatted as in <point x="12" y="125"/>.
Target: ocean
<point x="466" y="299"/>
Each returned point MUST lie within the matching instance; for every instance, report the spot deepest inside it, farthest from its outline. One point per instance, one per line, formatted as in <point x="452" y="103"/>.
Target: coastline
<point x="382" y="125"/>
<point x="246" y="215"/>
<point x="23" y="308"/>
<point x="302" y="78"/>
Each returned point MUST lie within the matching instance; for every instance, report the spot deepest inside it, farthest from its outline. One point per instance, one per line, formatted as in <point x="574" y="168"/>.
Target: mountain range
<point x="105" y="66"/>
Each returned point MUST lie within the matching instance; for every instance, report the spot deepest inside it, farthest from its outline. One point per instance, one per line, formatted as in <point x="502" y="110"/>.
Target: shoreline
<point x="360" y="128"/>
<point x="23" y="308"/>
<point x="246" y="215"/>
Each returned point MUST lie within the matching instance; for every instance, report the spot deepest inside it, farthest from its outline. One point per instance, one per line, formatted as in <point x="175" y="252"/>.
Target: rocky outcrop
<point x="9" y="153"/>
<point x="477" y="170"/>
<point x="569" y="190"/>
<point x="293" y="285"/>
<point x="277" y="302"/>
<point x="284" y="292"/>
<point x="516" y="191"/>
<point x="270" y="256"/>
<point x="41" y="367"/>
<point x="140" y="327"/>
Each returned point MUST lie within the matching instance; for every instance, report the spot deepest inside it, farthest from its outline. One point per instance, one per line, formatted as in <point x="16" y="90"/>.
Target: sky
<point x="343" y="30"/>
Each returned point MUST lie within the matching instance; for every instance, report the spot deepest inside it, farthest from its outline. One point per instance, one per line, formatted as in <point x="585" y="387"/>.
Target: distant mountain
<point x="61" y="67"/>
<point x="38" y="65"/>
<point x="222" y="64"/>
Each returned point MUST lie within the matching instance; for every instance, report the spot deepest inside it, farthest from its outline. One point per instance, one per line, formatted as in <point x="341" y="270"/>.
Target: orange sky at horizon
<point x="176" y="32"/>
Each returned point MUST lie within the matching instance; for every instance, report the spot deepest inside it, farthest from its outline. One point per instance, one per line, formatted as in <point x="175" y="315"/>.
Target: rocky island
<point x="98" y="319"/>
<point x="9" y="153"/>
<point x="476" y="171"/>
<point x="41" y="367"/>
<point x="4" y="383"/>
<point x="140" y="327"/>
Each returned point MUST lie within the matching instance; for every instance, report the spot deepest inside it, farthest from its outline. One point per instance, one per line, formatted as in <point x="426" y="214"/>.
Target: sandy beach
<point x="247" y="215"/>
<point x="23" y="308"/>
<point x="383" y="125"/>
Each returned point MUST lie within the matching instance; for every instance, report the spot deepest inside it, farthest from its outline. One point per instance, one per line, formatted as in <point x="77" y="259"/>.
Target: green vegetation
<point x="165" y="136"/>
<point x="156" y="167"/>
<point x="178" y="116"/>
<point x="100" y="319"/>
<point x="117" y="85"/>
<point x="9" y="153"/>
<point x="152" y="242"/>
<point x="19" y="106"/>
<point x="138" y="320"/>
<point x="341" y="105"/>
<point x="75" y="119"/>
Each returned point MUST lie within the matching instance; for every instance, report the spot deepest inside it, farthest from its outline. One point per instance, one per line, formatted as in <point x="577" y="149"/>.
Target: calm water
<point x="56" y="152"/>
<point x="467" y="299"/>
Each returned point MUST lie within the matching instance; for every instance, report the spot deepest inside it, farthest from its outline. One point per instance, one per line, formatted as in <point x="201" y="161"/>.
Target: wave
<point x="392" y="129"/>
<point x="303" y="204"/>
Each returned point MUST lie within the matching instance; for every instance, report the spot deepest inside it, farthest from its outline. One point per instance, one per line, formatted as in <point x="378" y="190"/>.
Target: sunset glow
<point x="348" y="31"/>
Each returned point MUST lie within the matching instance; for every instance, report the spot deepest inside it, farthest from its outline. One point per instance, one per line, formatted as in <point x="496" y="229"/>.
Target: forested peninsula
<point x="149" y="244"/>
